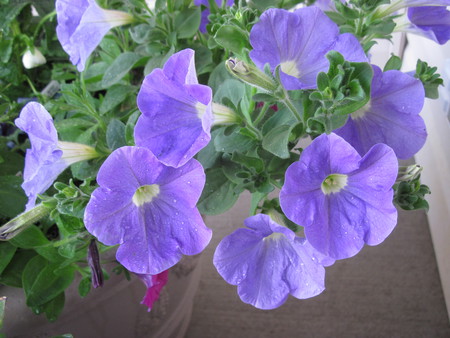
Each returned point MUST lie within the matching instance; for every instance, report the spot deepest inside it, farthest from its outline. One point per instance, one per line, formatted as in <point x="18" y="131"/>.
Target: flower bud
<point x="251" y="75"/>
<point x="33" y="59"/>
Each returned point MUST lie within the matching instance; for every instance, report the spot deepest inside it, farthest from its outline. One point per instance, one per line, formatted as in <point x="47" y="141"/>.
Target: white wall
<point x="435" y="155"/>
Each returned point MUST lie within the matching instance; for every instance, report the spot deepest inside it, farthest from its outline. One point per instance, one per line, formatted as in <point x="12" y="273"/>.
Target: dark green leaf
<point x="115" y="96"/>
<point x="276" y="141"/>
<point x="218" y="195"/>
<point x="394" y="63"/>
<point x="43" y="281"/>
<point x="12" y="197"/>
<point x="84" y="287"/>
<point x="233" y="141"/>
<point x="115" y="134"/>
<point x="12" y="275"/>
<point x="7" y="252"/>
<point x="119" y="68"/>
<point x="54" y="307"/>
<point x="187" y="22"/>
<point x="233" y="39"/>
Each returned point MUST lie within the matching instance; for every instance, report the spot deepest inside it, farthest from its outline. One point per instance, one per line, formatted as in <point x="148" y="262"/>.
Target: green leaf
<point x="276" y="141"/>
<point x="9" y="12"/>
<point x="119" y="68"/>
<point x="394" y="63"/>
<point x="42" y="281"/>
<point x="115" y="134"/>
<point x="54" y="307"/>
<point x="218" y="77"/>
<point x="7" y="252"/>
<point x="208" y="156"/>
<point x="232" y="38"/>
<point x="84" y="287"/>
<point x="10" y="162"/>
<point x="187" y="22"/>
<point x="30" y="238"/>
<point x="231" y="89"/>
<point x="248" y="161"/>
<point x="218" y="194"/>
<point x="129" y="128"/>
<point x="5" y="49"/>
<point x="231" y="141"/>
<point x="12" y="196"/>
<point x="12" y="275"/>
<point x="115" y="96"/>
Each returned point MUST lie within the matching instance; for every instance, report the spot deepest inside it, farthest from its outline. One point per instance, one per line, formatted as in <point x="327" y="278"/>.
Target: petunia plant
<point x="139" y="121"/>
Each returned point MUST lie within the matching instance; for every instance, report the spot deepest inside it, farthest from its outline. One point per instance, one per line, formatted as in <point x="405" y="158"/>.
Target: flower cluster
<point x="173" y="145"/>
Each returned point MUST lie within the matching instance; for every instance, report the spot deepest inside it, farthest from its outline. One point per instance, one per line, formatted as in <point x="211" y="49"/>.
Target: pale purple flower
<point x="298" y="42"/>
<point x="204" y="21"/>
<point x="268" y="262"/>
<point x="176" y="111"/>
<point x="149" y="209"/>
<point x="154" y="284"/>
<point x="82" y="24"/>
<point x="391" y="116"/>
<point x="396" y="5"/>
<point x="343" y="200"/>
<point x="433" y="22"/>
<point x="47" y="157"/>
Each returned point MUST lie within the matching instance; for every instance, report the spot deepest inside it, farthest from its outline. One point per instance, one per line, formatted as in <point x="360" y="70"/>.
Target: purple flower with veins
<point x="154" y="284"/>
<point x="176" y="111"/>
<point x="204" y="20"/>
<point x="298" y="43"/>
<point x="268" y="262"/>
<point x="48" y="157"/>
<point x="433" y="22"/>
<point x="82" y="24"/>
<point x="391" y="116"/>
<point x="342" y="199"/>
<point x="149" y="209"/>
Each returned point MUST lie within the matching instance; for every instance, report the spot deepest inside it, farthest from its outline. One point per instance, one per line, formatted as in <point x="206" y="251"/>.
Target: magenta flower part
<point x="433" y="22"/>
<point x="149" y="209"/>
<point x="204" y="21"/>
<point x="154" y="284"/>
<point x="391" y="116"/>
<point x="343" y="200"/>
<point x="176" y="111"/>
<point x="43" y="162"/>
<point x="268" y="263"/>
<point x="298" y="42"/>
<point x="82" y="24"/>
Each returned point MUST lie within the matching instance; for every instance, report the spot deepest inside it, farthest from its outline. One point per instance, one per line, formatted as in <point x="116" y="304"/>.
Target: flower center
<point x="334" y="183"/>
<point x="145" y="194"/>
<point x="290" y="68"/>
<point x="360" y="113"/>
<point x="201" y="109"/>
<point x="274" y="236"/>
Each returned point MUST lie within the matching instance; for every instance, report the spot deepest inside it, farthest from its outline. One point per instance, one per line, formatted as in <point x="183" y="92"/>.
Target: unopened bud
<point x="33" y="59"/>
<point x="251" y="75"/>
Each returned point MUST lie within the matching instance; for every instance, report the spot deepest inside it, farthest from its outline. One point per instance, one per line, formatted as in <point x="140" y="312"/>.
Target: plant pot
<point x="113" y="310"/>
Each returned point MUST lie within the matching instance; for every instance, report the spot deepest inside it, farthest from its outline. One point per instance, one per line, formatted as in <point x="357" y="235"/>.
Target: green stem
<point x="41" y="23"/>
<point x="291" y="107"/>
<point x="262" y="113"/>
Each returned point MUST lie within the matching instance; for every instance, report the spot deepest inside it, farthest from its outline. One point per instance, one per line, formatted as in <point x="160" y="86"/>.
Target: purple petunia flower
<point x="149" y="209"/>
<point x="204" y="21"/>
<point x="154" y="284"/>
<point x="176" y="111"/>
<point x="82" y="24"/>
<point x="298" y="42"/>
<point x="433" y="22"/>
<point x="47" y="157"/>
<point x="268" y="262"/>
<point x="391" y="116"/>
<point x="342" y="199"/>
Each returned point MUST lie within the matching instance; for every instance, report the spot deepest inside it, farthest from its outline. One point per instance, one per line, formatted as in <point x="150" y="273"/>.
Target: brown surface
<point x="391" y="290"/>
